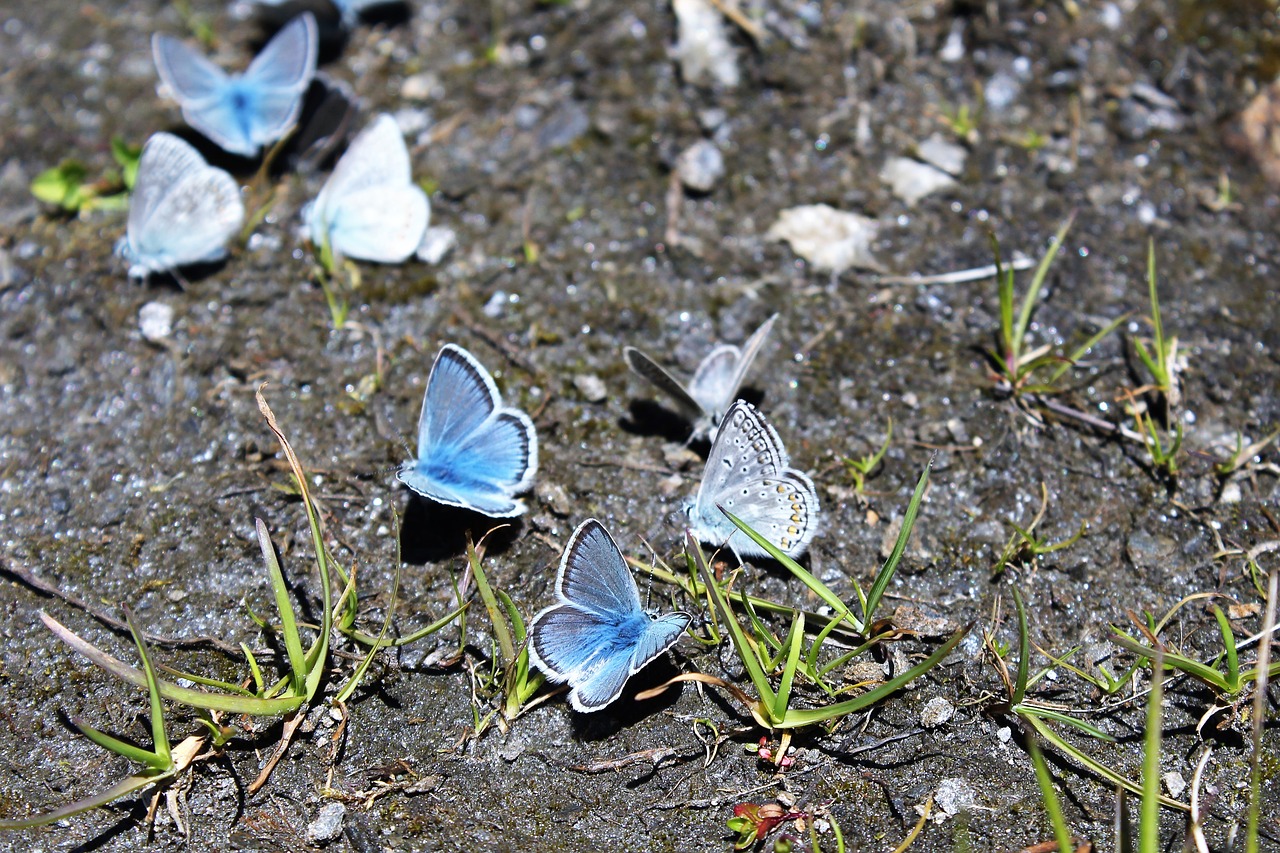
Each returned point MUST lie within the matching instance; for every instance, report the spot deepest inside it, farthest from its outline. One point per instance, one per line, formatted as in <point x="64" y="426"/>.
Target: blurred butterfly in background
<point x="242" y="112"/>
<point x="715" y="383"/>
<point x="348" y="11"/>
<point x="182" y="211"/>
<point x="370" y="208"/>
<point x="597" y="635"/>
<point x="473" y="452"/>
<point x="749" y="474"/>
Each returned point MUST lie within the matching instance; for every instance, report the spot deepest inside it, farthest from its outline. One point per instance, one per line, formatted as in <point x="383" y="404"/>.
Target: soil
<point x="131" y="471"/>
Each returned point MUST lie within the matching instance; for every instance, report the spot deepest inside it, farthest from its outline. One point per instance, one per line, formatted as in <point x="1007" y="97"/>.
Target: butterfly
<point x="749" y="474"/>
<point x="348" y="10"/>
<point x="370" y="208"/>
<point x="182" y="211"/>
<point x="473" y="452"/>
<point x="597" y="635"/>
<point x="715" y="383"/>
<point x="242" y="112"/>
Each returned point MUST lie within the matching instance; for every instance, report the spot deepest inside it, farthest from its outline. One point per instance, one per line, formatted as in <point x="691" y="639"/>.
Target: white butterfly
<point x="182" y="211"/>
<point x="715" y="383"/>
<point x="749" y="474"/>
<point x="370" y="208"/>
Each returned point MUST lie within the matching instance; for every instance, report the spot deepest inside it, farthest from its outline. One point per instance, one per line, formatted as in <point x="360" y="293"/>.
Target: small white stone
<point x="155" y="319"/>
<point x="1003" y="734"/>
<point x="328" y="824"/>
<point x="702" y="45"/>
<point x="831" y="240"/>
<point x="700" y="166"/>
<point x="936" y="711"/>
<point x="591" y="387"/>
<point x="1174" y="783"/>
<point x="437" y="241"/>
<point x="953" y="48"/>
<point x="943" y="154"/>
<point x="911" y="180"/>
<point x="955" y="795"/>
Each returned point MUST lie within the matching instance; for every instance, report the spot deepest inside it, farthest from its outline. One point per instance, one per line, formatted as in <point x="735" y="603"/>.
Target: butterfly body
<point x="597" y="635"/>
<point x="182" y="211"/>
<point x="473" y="452"/>
<point x="715" y="383"/>
<point x="370" y="208"/>
<point x="749" y="473"/>
<point x="242" y="112"/>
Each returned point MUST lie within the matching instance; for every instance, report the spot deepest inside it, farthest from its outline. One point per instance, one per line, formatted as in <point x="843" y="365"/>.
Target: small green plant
<point x="860" y="469"/>
<point x="963" y="120"/>
<point x="517" y="682"/>
<point x="1242" y="454"/>
<point x="1161" y="359"/>
<point x="1034" y="717"/>
<point x="1025" y="546"/>
<point x="1163" y="453"/>
<point x="68" y="186"/>
<point x="339" y="278"/>
<point x="762" y="655"/>
<point x="1015" y="365"/>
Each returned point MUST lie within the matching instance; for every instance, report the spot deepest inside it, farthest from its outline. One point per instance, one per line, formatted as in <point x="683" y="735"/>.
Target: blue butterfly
<point x="370" y="208"/>
<point x="182" y="211"/>
<point x="715" y="383"/>
<point x="598" y="635"/>
<point x="472" y="451"/>
<point x="748" y="473"/>
<point x="242" y="112"/>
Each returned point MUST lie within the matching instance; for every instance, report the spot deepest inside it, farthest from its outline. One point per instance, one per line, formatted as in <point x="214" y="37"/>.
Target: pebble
<point x="591" y="387"/>
<point x="328" y="824"/>
<point x="437" y="241"/>
<point x="155" y="319"/>
<point x="700" y="166"/>
<point x="936" y="711"/>
<point x="702" y="45"/>
<point x="955" y="795"/>
<point x="942" y="154"/>
<point x="829" y="239"/>
<point x="911" y="180"/>
<point x="1174" y="783"/>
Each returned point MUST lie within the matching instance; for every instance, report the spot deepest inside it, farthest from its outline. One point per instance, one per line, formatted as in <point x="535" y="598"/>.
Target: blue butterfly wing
<point x="383" y="224"/>
<point x="471" y="452"/>
<point x="277" y="80"/>
<point x="591" y="651"/>
<point x="593" y="575"/>
<point x="193" y="79"/>
<point x="657" y="636"/>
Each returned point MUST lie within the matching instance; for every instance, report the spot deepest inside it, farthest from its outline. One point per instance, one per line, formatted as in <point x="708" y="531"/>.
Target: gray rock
<point x="700" y="166"/>
<point x="328" y="824"/>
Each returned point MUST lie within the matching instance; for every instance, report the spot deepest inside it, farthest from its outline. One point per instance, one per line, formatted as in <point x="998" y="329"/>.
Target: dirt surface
<point x="131" y="471"/>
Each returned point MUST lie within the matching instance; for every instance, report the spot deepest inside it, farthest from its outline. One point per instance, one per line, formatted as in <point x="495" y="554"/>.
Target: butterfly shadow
<point x="648" y="418"/>
<point x="430" y="531"/>
<point x="627" y="711"/>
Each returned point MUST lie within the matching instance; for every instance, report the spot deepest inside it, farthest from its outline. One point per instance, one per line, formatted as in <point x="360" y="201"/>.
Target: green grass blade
<point x="1229" y="643"/>
<point x="491" y="604"/>
<point x="142" y="756"/>
<point x="795" y="719"/>
<point x="881" y="583"/>
<point x="1080" y="351"/>
<point x="284" y="607"/>
<point x="356" y="677"/>
<point x="184" y="695"/>
<point x="1061" y="833"/>
<point x="1024" y="651"/>
<point x="159" y="737"/>
<point x="1149" y="823"/>
<point x="1191" y="667"/>
<point x="1037" y="281"/>
<point x="795" y="640"/>
<point x="122" y="788"/>
<point x="723" y="612"/>
<point x="818" y="587"/>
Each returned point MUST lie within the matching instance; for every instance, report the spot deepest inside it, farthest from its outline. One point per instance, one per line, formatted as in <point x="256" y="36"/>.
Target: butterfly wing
<point x="720" y="376"/>
<point x="597" y="636"/>
<point x="191" y="77"/>
<point x="277" y="79"/>
<point x="369" y="208"/>
<point x="749" y="474"/>
<point x="658" y="376"/>
<point x="472" y="452"/>
<point x="183" y="210"/>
